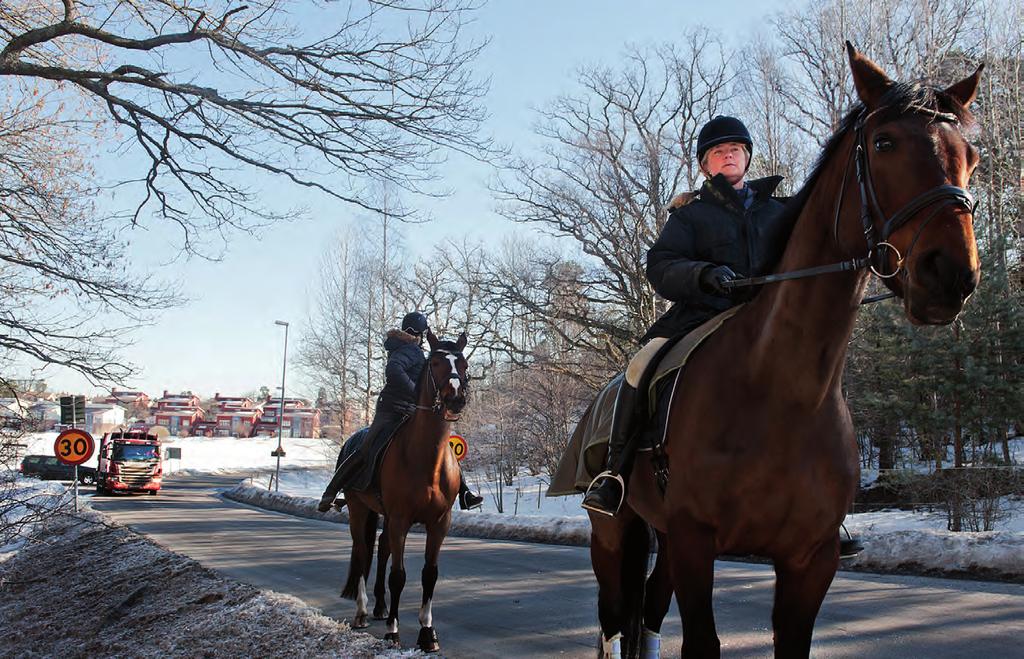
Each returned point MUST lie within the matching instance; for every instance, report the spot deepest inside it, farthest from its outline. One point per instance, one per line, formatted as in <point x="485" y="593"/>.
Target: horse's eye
<point x="883" y="143"/>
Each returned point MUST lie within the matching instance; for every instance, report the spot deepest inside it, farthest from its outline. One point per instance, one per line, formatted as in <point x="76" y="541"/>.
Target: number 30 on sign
<point x="459" y="446"/>
<point x="74" y="446"/>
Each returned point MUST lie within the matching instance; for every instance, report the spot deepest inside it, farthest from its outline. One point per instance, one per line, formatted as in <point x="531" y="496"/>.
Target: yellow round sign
<point x="459" y="446"/>
<point x="73" y="446"/>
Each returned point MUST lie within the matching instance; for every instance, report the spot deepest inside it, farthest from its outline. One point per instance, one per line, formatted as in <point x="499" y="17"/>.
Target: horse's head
<point x="448" y="374"/>
<point x="914" y="164"/>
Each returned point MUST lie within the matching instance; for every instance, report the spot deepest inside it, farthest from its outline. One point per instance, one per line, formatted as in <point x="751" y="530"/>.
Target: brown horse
<point x="419" y="480"/>
<point x="761" y="452"/>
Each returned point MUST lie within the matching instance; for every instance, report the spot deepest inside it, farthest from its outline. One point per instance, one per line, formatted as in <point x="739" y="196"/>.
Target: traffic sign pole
<point x="73" y="447"/>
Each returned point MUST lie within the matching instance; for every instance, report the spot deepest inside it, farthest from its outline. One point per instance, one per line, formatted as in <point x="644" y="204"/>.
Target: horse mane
<point x="897" y="100"/>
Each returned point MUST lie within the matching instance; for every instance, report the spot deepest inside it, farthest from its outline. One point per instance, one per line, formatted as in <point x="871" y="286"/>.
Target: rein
<point x="869" y="207"/>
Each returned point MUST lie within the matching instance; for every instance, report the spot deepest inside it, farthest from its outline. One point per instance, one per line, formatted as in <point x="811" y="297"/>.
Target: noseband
<point x="871" y="208"/>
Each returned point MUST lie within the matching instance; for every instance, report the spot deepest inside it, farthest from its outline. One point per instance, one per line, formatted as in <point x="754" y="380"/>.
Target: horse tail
<point x="636" y="554"/>
<point x="359" y="566"/>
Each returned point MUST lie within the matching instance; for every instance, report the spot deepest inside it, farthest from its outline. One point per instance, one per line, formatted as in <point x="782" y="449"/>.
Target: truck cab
<point x="129" y="460"/>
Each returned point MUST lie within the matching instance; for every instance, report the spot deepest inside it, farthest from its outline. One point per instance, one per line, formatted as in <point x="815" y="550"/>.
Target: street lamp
<point x="280" y="415"/>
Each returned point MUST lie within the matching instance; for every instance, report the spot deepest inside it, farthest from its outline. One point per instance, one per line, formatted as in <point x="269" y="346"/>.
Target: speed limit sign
<point x="74" y="446"/>
<point x="459" y="446"/>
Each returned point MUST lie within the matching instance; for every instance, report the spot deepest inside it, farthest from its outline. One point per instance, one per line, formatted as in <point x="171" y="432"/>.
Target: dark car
<point x="49" y="468"/>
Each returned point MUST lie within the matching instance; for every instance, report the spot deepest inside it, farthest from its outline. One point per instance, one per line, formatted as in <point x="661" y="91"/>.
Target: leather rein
<point x="869" y="209"/>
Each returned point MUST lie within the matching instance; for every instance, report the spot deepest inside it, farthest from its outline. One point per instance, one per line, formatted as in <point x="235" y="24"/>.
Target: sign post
<point x="73" y="447"/>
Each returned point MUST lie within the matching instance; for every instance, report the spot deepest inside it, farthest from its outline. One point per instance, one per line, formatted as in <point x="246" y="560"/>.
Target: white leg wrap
<point x="651" y="645"/>
<point x="361" y="598"/>
<point x="392" y="627"/>
<point x="425" y="616"/>
<point x="611" y="648"/>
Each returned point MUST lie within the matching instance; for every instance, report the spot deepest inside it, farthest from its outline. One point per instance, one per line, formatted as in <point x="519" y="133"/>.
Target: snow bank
<point x="919" y="550"/>
<point x="93" y="585"/>
<point x="548" y="529"/>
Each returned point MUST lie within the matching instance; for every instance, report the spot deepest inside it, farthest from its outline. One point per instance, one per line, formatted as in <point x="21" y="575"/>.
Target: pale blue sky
<point x="225" y="339"/>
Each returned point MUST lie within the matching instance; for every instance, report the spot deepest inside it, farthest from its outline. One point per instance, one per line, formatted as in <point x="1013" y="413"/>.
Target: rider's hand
<point x="405" y="409"/>
<point x="713" y="278"/>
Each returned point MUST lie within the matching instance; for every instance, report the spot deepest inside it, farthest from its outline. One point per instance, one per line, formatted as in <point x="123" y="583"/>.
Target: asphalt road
<point x="511" y="599"/>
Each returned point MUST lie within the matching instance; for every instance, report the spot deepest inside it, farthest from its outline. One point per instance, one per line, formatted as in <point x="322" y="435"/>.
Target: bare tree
<point x="63" y="268"/>
<point x="613" y="158"/>
<point x="202" y="89"/>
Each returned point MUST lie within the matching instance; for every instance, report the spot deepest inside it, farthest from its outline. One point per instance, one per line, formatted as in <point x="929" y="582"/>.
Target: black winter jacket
<point x="405" y="363"/>
<point x="714" y="230"/>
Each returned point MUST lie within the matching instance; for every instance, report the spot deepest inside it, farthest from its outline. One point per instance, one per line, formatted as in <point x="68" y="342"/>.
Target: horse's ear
<point x="870" y="81"/>
<point x="461" y="343"/>
<point x="966" y="90"/>
<point x="431" y="340"/>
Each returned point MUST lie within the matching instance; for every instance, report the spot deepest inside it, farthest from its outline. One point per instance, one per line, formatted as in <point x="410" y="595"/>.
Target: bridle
<point x="438" y="407"/>
<point x="871" y="208"/>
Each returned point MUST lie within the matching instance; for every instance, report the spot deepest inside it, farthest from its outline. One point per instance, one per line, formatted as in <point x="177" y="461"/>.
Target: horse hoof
<point x="427" y="640"/>
<point x="382" y="614"/>
<point x="359" y="622"/>
<point x="393" y="637"/>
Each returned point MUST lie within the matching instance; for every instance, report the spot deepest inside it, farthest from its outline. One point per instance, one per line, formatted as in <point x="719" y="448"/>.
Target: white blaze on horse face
<point x="454" y="378"/>
<point x="425" y="616"/>
<point x="361" y="598"/>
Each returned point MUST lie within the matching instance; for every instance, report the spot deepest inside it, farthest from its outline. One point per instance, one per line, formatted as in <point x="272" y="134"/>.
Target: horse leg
<point x="380" y="607"/>
<point x="657" y="598"/>
<point x="397" y="530"/>
<point x="360" y="517"/>
<point x="799" y="592"/>
<point x="618" y="554"/>
<point x="436" y="532"/>
<point x="691" y="559"/>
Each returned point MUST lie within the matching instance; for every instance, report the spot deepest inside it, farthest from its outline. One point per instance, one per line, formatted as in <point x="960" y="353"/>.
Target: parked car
<point x="49" y="468"/>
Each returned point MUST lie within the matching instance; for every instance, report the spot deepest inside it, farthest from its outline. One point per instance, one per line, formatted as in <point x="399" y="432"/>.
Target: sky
<point x="224" y="339"/>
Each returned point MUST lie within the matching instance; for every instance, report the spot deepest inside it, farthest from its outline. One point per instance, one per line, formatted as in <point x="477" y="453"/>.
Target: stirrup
<point x="597" y="479"/>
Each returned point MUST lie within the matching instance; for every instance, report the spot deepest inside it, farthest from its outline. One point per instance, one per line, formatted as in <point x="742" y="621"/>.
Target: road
<point x="511" y="599"/>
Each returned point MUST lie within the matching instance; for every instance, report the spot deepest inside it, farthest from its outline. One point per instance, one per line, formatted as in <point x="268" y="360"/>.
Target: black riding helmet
<point x="414" y="323"/>
<point x="720" y="130"/>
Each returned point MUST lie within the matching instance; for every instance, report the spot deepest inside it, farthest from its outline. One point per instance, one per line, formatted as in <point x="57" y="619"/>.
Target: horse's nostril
<point x="936" y="270"/>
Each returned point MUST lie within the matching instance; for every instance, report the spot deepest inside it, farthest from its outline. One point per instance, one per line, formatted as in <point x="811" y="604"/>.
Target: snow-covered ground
<point x="893" y="539"/>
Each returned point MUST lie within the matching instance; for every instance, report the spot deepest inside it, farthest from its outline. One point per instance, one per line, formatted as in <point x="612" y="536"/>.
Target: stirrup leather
<point x="622" y="492"/>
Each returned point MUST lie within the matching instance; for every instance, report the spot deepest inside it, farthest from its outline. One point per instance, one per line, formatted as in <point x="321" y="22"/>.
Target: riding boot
<point x="342" y="474"/>
<point x="468" y="500"/>
<point x="608" y="490"/>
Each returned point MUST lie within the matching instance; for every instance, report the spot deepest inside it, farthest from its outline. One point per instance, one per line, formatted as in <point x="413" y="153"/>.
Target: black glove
<point x="713" y="278"/>
<point x="405" y="409"/>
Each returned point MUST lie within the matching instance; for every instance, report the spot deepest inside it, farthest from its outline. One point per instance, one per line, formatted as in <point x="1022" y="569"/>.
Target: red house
<point x="235" y="416"/>
<point x="178" y="413"/>
<point x="300" y="418"/>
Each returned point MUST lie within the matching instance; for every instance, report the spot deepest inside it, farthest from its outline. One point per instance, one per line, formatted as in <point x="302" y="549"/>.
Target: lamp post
<point x="280" y="414"/>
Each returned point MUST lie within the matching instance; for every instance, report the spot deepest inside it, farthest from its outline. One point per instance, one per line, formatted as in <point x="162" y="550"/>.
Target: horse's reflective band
<point x="459" y="446"/>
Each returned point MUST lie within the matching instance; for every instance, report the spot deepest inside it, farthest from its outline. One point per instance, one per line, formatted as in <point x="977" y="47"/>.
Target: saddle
<point x="584" y="457"/>
<point x="364" y="453"/>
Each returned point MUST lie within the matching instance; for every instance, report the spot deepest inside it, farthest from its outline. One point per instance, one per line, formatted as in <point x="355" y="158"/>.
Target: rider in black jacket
<point x="728" y="229"/>
<point x="396" y="402"/>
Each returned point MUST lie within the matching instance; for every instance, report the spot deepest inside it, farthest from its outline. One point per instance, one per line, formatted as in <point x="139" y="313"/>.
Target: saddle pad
<point x="584" y="457"/>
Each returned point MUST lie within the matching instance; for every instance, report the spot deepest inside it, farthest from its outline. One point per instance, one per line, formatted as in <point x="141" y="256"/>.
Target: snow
<point x="894" y="540"/>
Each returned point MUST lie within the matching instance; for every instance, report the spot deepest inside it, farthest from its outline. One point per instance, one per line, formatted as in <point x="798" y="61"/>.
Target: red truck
<point x="129" y="460"/>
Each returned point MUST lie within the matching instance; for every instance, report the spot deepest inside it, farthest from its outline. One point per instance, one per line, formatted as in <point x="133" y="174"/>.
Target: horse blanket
<point x="584" y="457"/>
